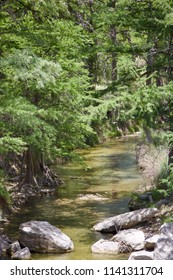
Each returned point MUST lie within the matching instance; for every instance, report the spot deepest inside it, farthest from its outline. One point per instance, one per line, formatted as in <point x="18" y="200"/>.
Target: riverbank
<point x="112" y="169"/>
<point x="86" y="197"/>
<point x="19" y="195"/>
<point x="152" y="163"/>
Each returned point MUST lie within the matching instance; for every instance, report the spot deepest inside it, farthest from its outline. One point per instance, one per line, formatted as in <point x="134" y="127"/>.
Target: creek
<point x="86" y="197"/>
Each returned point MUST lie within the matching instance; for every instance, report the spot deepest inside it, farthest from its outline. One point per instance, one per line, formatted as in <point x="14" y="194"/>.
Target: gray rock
<point x="105" y="247"/>
<point x="132" y="237"/>
<point x="14" y="247"/>
<point x="167" y="230"/>
<point x="150" y="243"/>
<point x="4" y="244"/>
<point x="126" y="220"/>
<point x="1" y="215"/>
<point x="42" y="237"/>
<point x="164" y="249"/>
<point x="3" y="218"/>
<point x="141" y="255"/>
<point x="22" y="254"/>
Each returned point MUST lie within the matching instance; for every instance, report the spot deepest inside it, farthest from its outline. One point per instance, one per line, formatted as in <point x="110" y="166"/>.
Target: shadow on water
<point x="111" y="176"/>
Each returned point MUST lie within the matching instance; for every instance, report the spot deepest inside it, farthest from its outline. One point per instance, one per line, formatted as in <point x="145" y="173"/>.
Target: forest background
<point x="76" y="72"/>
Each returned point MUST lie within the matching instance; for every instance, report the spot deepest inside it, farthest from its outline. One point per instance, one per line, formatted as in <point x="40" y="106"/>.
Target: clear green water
<point x="112" y="175"/>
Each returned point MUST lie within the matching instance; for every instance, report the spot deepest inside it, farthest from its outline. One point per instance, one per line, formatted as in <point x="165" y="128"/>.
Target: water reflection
<point x="111" y="175"/>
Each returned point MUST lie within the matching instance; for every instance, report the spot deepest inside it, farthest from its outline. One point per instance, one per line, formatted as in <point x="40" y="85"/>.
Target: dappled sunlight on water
<point x="86" y="198"/>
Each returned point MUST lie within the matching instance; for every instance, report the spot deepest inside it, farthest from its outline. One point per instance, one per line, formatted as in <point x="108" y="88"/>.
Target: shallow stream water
<point x="86" y="197"/>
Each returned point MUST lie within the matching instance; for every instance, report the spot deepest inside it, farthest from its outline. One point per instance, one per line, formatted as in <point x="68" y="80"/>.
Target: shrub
<point x="4" y="194"/>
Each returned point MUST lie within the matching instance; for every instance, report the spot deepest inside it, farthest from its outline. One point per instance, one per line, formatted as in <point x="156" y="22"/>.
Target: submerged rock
<point x="42" y="237"/>
<point x="126" y="220"/>
<point x="91" y="196"/>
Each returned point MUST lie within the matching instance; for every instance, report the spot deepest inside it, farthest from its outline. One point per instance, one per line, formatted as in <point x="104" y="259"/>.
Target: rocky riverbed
<point x="147" y="228"/>
<point x="130" y="238"/>
<point x="127" y="236"/>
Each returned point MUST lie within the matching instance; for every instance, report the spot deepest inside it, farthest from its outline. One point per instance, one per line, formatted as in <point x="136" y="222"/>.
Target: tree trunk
<point x="30" y="169"/>
<point x="36" y="173"/>
<point x="150" y="60"/>
<point x="170" y="156"/>
<point x="114" y="55"/>
<point x="113" y="35"/>
<point x="148" y="135"/>
<point x="92" y="68"/>
<point x="169" y="69"/>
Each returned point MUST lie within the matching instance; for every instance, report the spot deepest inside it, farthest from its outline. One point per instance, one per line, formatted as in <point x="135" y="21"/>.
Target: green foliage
<point x="158" y="194"/>
<point x="33" y="72"/>
<point x="135" y="196"/>
<point x="52" y="56"/>
<point x="8" y="144"/>
<point x="167" y="183"/>
<point x="168" y="219"/>
<point x="4" y="195"/>
<point x="44" y="79"/>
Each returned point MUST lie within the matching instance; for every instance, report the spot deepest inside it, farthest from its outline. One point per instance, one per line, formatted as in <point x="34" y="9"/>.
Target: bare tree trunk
<point x="151" y="51"/>
<point x="113" y="35"/>
<point x="114" y="55"/>
<point x="150" y="60"/>
<point x="170" y="58"/>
